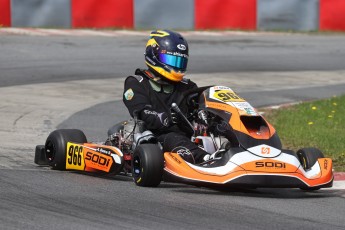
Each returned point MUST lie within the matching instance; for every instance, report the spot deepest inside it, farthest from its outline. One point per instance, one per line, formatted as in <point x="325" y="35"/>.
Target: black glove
<point x="203" y="116"/>
<point x="154" y="120"/>
<point x="175" y="117"/>
<point x="219" y="127"/>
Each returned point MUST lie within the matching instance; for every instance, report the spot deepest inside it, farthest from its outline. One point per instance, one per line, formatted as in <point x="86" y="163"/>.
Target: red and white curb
<point x="115" y="33"/>
<point x="339" y="180"/>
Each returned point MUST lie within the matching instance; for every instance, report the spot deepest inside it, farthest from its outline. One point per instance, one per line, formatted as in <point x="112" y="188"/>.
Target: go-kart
<point x="245" y="149"/>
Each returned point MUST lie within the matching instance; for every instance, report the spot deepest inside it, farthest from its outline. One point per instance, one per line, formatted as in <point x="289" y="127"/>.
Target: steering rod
<point x="177" y="110"/>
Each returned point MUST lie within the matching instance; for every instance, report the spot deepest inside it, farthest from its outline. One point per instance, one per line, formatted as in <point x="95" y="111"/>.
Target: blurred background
<point x="296" y="15"/>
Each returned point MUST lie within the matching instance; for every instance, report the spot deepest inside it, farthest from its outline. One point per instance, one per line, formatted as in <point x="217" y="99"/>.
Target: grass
<point x="319" y="124"/>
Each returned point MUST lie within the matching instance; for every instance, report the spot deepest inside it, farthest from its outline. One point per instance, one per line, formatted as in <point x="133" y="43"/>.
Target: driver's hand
<point x="175" y="118"/>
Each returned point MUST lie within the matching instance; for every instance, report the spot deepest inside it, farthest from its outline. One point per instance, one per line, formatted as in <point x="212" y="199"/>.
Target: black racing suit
<point x="151" y="101"/>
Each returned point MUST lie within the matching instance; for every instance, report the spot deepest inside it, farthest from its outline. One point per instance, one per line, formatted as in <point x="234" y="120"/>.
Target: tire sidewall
<point x="57" y="142"/>
<point x="150" y="166"/>
<point x="309" y="156"/>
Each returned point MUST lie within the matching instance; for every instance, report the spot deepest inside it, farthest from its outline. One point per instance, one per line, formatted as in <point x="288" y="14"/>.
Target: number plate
<point x="75" y="157"/>
<point x="227" y="96"/>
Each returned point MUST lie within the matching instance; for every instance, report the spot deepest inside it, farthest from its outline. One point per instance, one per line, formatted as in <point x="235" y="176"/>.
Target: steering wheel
<point x="188" y="95"/>
<point x="191" y="94"/>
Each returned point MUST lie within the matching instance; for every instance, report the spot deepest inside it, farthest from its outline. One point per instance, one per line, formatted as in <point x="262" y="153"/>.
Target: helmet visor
<point x="175" y="61"/>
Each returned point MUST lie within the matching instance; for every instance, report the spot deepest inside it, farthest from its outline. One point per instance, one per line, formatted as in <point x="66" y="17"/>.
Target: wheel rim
<point x="304" y="163"/>
<point x="50" y="151"/>
<point x="136" y="166"/>
<point x="303" y="160"/>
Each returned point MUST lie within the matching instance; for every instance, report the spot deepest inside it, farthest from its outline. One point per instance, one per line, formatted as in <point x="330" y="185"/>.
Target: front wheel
<point x="56" y="144"/>
<point x="309" y="156"/>
<point x="147" y="165"/>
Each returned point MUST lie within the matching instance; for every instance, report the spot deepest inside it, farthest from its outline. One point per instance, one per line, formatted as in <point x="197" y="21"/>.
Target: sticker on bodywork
<point x="75" y="156"/>
<point x="97" y="160"/>
<point x="227" y="96"/>
<point x="246" y="108"/>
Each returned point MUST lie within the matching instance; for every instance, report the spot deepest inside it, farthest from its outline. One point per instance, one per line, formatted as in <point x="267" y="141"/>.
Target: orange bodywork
<point x="90" y="157"/>
<point x="96" y="160"/>
<point x="236" y="123"/>
<point x="176" y="166"/>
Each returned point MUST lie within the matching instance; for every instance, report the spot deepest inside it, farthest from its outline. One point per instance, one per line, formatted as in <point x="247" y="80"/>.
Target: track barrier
<point x="297" y="15"/>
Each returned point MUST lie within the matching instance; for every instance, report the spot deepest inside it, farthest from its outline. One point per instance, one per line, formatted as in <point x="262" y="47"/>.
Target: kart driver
<point x="149" y="94"/>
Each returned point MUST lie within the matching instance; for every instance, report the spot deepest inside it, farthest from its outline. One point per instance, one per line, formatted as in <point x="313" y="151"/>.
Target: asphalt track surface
<point x="42" y="78"/>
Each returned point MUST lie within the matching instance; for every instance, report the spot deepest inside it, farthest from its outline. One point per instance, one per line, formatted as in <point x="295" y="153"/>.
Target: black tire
<point x="56" y="144"/>
<point x="147" y="165"/>
<point x="309" y="156"/>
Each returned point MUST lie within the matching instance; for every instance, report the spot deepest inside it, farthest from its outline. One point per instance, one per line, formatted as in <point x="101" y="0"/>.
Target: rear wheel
<point x="147" y="165"/>
<point x="56" y="144"/>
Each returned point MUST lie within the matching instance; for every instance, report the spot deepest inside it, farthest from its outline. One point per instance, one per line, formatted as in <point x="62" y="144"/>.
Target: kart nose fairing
<point x="260" y="166"/>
